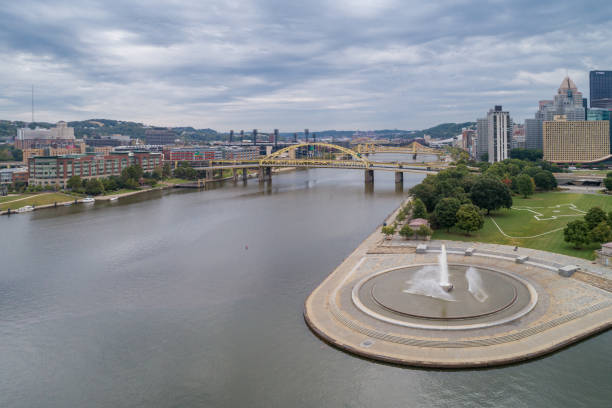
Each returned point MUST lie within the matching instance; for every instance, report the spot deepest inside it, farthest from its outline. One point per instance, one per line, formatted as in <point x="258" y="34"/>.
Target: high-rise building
<point x="600" y="83"/>
<point x="61" y="134"/>
<point x="518" y="136"/>
<point x="567" y="102"/>
<point x="533" y="134"/>
<point x="482" y="129"/>
<point x="160" y="136"/>
<point x="575" y="141"/>
<point x="468" y="137"/>
<point x="605" y="115"/>
<point x="499" y="134"/>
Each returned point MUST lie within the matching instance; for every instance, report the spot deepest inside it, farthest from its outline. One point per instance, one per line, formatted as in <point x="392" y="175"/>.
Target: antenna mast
<point x="32" y="103"/>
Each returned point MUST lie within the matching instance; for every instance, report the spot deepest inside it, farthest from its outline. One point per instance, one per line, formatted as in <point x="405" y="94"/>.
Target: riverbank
<point x="60" y="199"/>
<point x="565" y="310"/>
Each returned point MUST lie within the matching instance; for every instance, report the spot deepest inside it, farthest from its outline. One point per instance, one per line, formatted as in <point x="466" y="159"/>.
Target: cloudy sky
<point x="335" y="64"/>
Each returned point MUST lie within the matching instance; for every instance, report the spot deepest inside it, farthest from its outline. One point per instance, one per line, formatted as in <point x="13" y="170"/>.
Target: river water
<point x="186" y="298"/>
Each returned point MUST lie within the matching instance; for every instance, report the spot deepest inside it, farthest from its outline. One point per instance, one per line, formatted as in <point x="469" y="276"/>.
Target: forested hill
<point x="444" y="130"/>
<point x="103" y="127"/>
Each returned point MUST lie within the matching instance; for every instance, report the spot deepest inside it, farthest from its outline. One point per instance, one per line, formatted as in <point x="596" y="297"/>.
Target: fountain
<point x="443" y="265"/>
<point x="456" y="294"/>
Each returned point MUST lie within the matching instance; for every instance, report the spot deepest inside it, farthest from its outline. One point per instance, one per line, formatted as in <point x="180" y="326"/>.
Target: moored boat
<point x="26" y="208"/>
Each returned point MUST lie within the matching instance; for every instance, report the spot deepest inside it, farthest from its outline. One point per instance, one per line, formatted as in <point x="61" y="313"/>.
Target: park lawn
<point x="520" y="225"/>
<point x="176" y="181"/>
<point x="14" y="197"/>
<point x="38" y="199"/>
<point x="120" y="191"/>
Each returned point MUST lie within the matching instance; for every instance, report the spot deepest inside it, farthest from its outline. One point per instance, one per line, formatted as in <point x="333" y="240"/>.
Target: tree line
<point x="456" y="197"/>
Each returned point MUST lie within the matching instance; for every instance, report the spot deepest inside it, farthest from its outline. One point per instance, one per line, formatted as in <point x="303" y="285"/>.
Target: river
<point x="186" y="298"/>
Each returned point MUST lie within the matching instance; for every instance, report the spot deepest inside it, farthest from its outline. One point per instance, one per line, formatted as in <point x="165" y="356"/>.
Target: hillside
<point x="444" y="130"/>
<point x="103" y="127"/>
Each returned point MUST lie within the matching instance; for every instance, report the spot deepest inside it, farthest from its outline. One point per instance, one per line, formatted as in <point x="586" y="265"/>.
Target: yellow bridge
<point x="413" y="148"/>
<point x="319" y="155"/>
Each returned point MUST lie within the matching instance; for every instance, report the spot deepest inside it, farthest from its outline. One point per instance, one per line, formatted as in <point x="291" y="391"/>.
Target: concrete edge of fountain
<point x="533" y="342"/>
<point x="362" y="352"/>
<point x="355" y="297"/>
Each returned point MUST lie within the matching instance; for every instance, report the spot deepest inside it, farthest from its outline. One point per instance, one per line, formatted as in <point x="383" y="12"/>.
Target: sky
<point x="265" y="64"/>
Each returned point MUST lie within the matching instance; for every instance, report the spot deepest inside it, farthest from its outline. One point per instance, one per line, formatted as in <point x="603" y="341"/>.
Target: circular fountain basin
<point x="412" y="296"/>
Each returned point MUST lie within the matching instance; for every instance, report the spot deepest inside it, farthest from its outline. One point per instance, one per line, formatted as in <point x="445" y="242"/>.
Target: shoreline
<point x="108" y="197"/>
<point x="567" y="309"/>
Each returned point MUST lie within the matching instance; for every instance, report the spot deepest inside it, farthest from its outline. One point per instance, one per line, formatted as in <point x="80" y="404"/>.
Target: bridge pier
<point x="399" y="177"/>
<point x="245" y="175"/>
<point x="369" y="176"/>
<point x="235" y="175"/>
<point x="268" y="174"/>
<point x="210" y="174"/>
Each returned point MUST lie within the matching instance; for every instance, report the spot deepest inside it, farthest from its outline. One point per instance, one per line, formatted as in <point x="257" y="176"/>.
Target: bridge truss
<point x="414" y="148"/>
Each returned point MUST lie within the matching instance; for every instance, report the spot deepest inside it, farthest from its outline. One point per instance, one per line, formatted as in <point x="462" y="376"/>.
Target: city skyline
<point x="346" y="65"/>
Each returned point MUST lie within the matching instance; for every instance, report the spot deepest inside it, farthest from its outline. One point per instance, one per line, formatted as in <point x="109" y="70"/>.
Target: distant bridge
<point x="413" y="148"/>
<point x="318" y="155"/>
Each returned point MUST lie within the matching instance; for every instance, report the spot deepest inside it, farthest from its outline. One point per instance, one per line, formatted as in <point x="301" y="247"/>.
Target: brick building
<point x="56" y="170"/>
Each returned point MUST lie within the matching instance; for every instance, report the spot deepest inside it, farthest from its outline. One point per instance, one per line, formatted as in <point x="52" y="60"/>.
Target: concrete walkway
<point x="567" y="309"/>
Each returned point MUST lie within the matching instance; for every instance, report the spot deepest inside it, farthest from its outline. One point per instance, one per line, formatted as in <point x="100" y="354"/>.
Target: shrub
<point x="388" y="230"/>
<point x="424" y="231"/>
<point x="406" y="231"/>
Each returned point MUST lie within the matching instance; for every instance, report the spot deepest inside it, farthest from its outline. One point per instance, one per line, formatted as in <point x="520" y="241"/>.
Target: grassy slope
<point x="523" y="224"/>
<point x="42" y="199"/>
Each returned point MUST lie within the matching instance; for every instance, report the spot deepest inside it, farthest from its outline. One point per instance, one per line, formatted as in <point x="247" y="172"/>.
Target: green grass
<point x="120" y="191"/>
<point x="14" y="197"/>
<point x="34" y="199"/>
<point x="523" y="224"/>
<point x="177" y="181"/>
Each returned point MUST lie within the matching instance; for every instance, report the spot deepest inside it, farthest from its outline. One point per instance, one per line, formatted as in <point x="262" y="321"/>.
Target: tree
<point x="545" y="180"/>
<point x="525" y="185"/>
<point x="490" y="194"/>
<point x="166" y="170"/>
<point x="425" y="191"/>
<point x="74" y="183"/>
<point x="601" y="233"/>
<point x="388" y="230"/>
<point x="526" y="154"/>
<point x="418" y="209"/>
<point x="424" y="231"/>
<point x="608" y="183"/>
<point x="577" y="233"/>
<point x="157" y="173"/>
<point x="469" y="218"/>
<point x="135" y="172"/>
<point x="406" y="231"/>
<point x="446" y="212"/>
<point x="94" y="187"/>
<point x="594" y="216"/>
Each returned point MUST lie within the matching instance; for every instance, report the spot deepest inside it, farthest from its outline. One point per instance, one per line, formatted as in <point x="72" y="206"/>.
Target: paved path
<point x="20" y="199"/>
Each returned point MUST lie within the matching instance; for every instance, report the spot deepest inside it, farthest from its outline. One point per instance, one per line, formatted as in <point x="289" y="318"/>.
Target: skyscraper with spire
<point x="567" y="102"/>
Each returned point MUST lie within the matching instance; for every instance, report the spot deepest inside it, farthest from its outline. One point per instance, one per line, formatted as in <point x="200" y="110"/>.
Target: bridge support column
<point x="245" y="175"/>
<point x="268" y="174"/>
<point x="260" y="174"/>
<point x="369" y="176"/>
<point x="399" y="177"/>
<point x="235" y="175"/>
<point x="210" y="174"/>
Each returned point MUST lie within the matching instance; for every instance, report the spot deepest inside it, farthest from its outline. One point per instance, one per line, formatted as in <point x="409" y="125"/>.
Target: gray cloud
<point x="262" y="64"/>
